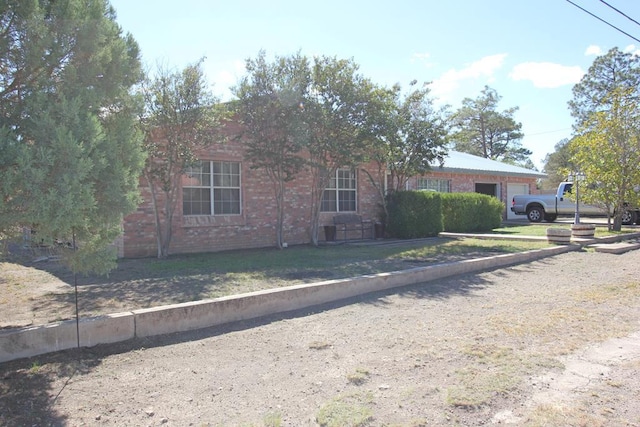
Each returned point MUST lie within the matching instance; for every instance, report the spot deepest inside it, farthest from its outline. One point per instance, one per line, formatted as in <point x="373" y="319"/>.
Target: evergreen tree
<point x="70" y="153"/>
<point x="483" y="131"/>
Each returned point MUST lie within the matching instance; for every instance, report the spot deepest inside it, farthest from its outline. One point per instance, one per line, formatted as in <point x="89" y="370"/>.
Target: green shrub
<point x="414" y="214"/>
<point x="470" y="212"/>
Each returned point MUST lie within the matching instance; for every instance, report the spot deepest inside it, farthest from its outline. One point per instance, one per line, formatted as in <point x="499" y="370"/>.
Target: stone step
<point x="615" y="248"/>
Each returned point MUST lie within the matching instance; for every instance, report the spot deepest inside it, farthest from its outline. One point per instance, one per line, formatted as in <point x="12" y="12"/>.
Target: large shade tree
<point x="70" y="154"/>
<point x="339" y="135"/>
<point x="181" y="115"/>
<point x="409" y="136"/>
<point x="607" y="126"/>
<point x="482" y="130"/>
<point x="270" y="106"/>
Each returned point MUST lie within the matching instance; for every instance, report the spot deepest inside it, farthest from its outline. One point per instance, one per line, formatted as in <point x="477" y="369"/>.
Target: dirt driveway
<point x="554" y="342"/>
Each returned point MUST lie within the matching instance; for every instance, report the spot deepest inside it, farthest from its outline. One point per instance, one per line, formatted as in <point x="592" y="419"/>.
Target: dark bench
<point x="348" y="224"/>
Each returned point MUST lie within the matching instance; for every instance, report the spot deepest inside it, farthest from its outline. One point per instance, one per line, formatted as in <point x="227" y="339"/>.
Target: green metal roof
<point x="456" y="161"/>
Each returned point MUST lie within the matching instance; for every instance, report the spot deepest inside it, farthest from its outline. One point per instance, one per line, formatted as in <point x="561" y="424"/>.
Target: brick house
<point x="225" y="204"/>
<point x="464" y="172"/>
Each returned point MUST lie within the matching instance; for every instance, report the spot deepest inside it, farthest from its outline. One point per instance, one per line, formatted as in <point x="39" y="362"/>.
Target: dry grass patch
<point x="586" y="312"/>
<point x="555" y="415"/>
<point x="492" y="370"/>
<point x="359" y="377"/>
<point x="352" y="410"/>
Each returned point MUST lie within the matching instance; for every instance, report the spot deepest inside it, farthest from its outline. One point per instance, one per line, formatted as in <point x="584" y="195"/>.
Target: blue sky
<point x="531" y="51"/>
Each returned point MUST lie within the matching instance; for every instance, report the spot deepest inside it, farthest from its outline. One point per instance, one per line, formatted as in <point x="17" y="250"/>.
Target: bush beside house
<point x="414" y="214"/>
<point x="470" y="212"/>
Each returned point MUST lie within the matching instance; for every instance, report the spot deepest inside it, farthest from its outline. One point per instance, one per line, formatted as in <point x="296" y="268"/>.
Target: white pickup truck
<point x="548" y="207"/>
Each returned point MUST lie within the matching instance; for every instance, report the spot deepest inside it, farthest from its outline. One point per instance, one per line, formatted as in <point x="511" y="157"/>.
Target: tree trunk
<point x="156" y="214"/>
<point x="617" y="222"/>
<point x="320" y="182"/>
<point x="280" y="190"/>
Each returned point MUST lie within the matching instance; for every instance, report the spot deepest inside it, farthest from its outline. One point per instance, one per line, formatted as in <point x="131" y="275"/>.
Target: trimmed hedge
<point x="415" y="214"/>
<point x="470" y="212"/>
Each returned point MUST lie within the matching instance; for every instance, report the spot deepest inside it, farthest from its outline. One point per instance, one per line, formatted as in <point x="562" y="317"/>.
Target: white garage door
<point x="512" y="190"/>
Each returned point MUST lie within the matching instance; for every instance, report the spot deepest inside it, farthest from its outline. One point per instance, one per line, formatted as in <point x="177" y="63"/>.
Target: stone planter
<point x="583" y="231"/>
<point x="558" y="236"/>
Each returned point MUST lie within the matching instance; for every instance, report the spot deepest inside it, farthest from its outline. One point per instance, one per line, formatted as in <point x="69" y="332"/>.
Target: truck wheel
<point x="628" y="217"/>
<point x="550" y="218"/>
<point x="535" y="213"/>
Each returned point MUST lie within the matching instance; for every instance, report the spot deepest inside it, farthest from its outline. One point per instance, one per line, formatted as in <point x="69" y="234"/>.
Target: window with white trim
<point x="211" y="188"/>
<point x="340" y="196"/>
<point x="440" y="185"/>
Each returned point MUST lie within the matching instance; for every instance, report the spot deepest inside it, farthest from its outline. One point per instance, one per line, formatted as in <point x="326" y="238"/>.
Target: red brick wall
<point x="253" y="228"/>
<point x="465" y="183"/>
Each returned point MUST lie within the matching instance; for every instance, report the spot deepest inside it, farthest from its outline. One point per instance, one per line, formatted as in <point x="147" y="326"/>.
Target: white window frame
<point x="337" y="190"/>
<point x="227" y="181"/>
<point x="435" y="184"/>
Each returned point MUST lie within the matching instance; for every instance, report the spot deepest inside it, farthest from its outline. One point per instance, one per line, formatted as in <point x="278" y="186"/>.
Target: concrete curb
<point x="581" y="241"/>
<point x="33" y="341"/>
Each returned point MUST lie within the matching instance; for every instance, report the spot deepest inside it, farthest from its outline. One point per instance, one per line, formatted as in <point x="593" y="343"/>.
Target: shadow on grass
<point x="149" y="282"/>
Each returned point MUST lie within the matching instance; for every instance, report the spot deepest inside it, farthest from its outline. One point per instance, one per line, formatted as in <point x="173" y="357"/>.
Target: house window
<point x="340" y="196"/>
<point x="440" y="185"/>
<point x="211" y="188"/>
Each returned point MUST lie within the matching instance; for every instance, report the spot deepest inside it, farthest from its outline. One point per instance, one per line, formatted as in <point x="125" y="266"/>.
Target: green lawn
<point x="341" y="260"/>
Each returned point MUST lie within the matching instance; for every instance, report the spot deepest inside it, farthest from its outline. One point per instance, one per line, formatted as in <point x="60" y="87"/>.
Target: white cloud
<point x="420" y="57"/>
<point x="547" y="74"/>
<point x="483" y="68"/>
<point x="632" y="49"/>
<point x="226" y="77"/>
<point x="593" y="50"/>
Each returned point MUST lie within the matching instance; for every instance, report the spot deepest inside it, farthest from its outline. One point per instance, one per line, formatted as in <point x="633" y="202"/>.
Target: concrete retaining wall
<point x="32" y="341"/>
<point x="27" y="342"/>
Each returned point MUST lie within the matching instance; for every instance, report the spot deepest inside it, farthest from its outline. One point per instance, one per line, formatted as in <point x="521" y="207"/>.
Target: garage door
<point x="512" y="190"/>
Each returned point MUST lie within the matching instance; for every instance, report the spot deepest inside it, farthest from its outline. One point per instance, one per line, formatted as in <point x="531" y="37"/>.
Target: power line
<point x="600" y="19"/>
<point x="620" y="12"/>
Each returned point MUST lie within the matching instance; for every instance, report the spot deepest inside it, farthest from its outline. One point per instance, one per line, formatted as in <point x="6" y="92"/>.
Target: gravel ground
<point x="555" y="342"/>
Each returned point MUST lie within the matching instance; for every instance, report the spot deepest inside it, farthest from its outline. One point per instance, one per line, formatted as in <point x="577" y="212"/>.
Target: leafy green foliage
<point x="470" y="212"/>
<point x="180" y="116"/>
<point x="414" y="214"/>
<point x="338" y="125"/>
<point x="607" y="146"/>
<point x="70" y="153"/>
<point x="483" y="131"/>
<point x="271" y="109"/>
<point x="408" y="135"/>
<point x="556" y="165"/>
